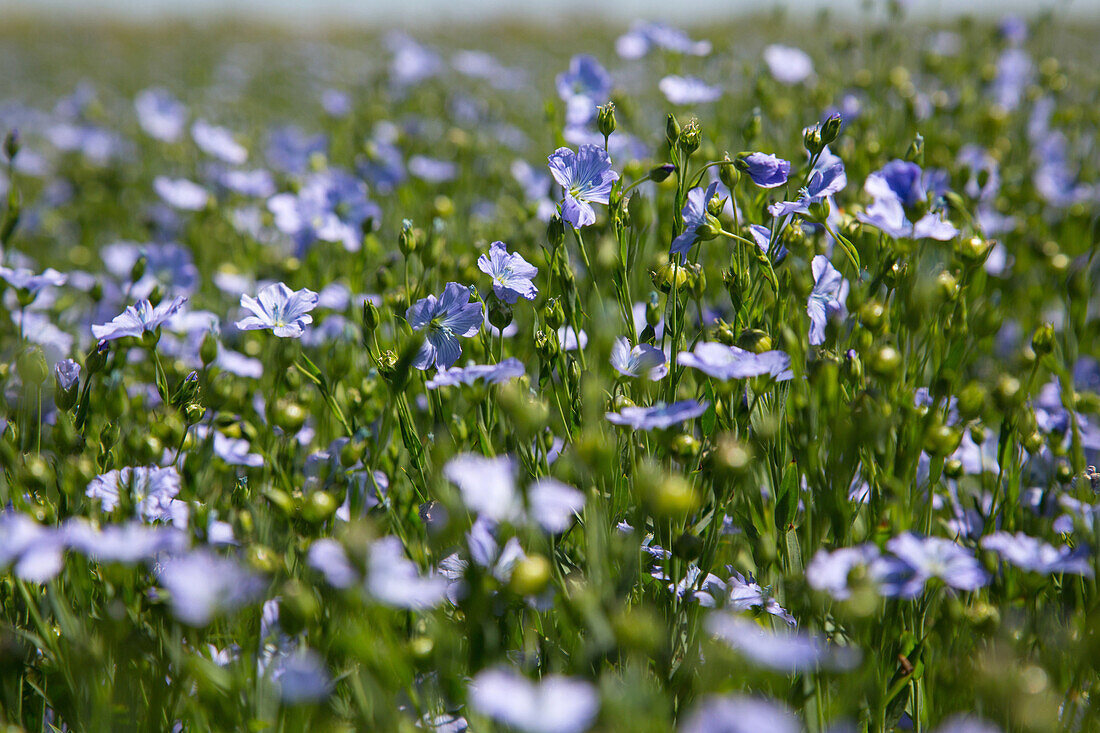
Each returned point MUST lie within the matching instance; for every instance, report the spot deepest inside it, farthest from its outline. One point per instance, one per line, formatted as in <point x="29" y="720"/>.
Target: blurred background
<point x="412" y="13"/>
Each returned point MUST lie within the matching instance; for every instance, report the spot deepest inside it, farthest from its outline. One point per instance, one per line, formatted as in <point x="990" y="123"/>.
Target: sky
<point x="413" y="12"/>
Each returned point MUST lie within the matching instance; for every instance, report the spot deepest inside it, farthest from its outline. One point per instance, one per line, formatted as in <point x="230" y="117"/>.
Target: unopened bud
<point x="605" y="119"/>
<point x="662" y="172"/>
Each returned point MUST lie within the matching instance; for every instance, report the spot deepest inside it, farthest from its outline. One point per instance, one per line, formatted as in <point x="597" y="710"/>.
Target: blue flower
<point x="301" y="677"/>
<point x="660" y="415"/>
<point x="160" y="115"/>
<point x="729" y="362"/>
<point x="740" y="714"/>
<point x="395" y="580"/>
<point x="582" y="88"/>
<point x="67" y="373"/>
<point x="822" y="185"/>
<point x="1037" y="556"/>
<point x="932" y="557"/>
<point x="169" y="266"/>
<point x="35" y="552"/>
<point x="787" y="64"/>
<point x="695" y="216"/>
<point x="765" y="170"/>
<point x="899" y="187"/>
<point x="331" y="206"/>
<point x="688" y="90"/>
<point x="445" y="318"/>
<point x="181" y="193"/>
<point x="826" y="299"/>
<point x="25" y="280"/>
<point x="510" y="368"/>
<point x="127" y="543"/>
<point x="785" y="651"/>
<point x="151" y="490"/>
<point x="284" y="311"/>
<point x="218" y="142"/>
<point x="510" y="272"/>
<point x="202" y="585"/>
<point x="586" y="177"/>
<point x="644" y="36"/>
<point x="138" y="319"/>
<point x="432" y="170"/>
<point x="829" y="571"/>
<point x="554" y="704"/>
<point x="642" y="360"/>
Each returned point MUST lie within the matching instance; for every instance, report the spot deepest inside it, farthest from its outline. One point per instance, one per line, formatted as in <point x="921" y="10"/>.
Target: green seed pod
<point x="728" y="173"/>
<point x="552" y="313"/>
<point x="530" y="576"/>
<point x="32" y="367"/>
<point x="1044" y="340"/>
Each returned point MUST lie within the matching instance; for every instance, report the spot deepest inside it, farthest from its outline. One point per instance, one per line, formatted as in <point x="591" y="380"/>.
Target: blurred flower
<point x="787" y="64"/>
<point x="218" y="142"/>
<point x="586" y="177"/>
<point x="23" y="279"/>
<point x="827" y="299"/>
<point x="284" y="311"/>
<point x="785" y="651"/>
<point x="446" y="317"/>
<point x="127" y="543"/>
<point x="489" y="490"/>
<point x="432" y="170"/>
<point x="327" y="557"/>
<point x="555" y="704"/>
<point x="729" y="362"/>
<point x="512" y="275"/>
<point x="335" y="103"/>
<point x="900" y="186"/>
<point x="160" y="115"/>
<point x="642" y="360"/>
<point x="181" y="193"/>
<point x="301" y="676"/>
<point x="740" y="714"/>
<point x="395" y="580"/>
<point x="1030" y="553"/>
<point x="234" y="451"/>
<point x="932" y="557"/>
<point x="510" y="368"/>
<point x="583" y="87"/>
<point x="686" y="90"/>
<point x="202" y="585"/>
<point x="830" y="571"/>
<point x="137" y="319"/>
<point x="330" y="206"/>
<point x="660" y="415"/>
<point x="644" y="36"/>
<point x="33" y="552"/>
<point x="569" y="340"/>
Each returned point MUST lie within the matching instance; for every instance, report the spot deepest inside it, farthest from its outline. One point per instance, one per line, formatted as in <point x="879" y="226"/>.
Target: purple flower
<point x="181" y="193"/>
<point x="412" y="62"/>
<point x="395" y="580"/>
<point x="586" y="177"/>
<point x="160" y="115"/>
<point x="446" y="318"/>
<point x="582" y="88"/>
<point x="569" y="340"/>
<point x="138" y="319"/>
<point x="25" y="280"/>
<point x="644" y="36"/>
<point x="1014" y="73"/>
<point x="729" y="362"/>
<point x="766" y="171"/>
<point x="327" y="557"/>
<point x="510" y="368"/>
<point x="660" y="415"/>
<point x="787" y="64"/>
<point x="202" y="585"/>
<point x="431" y="169"/>
<point x="933" y="557"/>
<point x="785" y="651"/>
<point x="67" y="373"/>
<point x="826" y="299"/>
<point x="822" y="185"/>
<point x="168" y="265"/>
<point x="335" y="103"/>
<point x="234" y="451"/>
<point x="742" y="594"/>
<point x="489" y="490"/>
<point x="686" y="90"/>
<point x="740" y="714"/>
<point x="218" y="142"/>
<point x="128" y="543"/>
<point x="642" y="360"/>
<point x="34" y="552"/>
<point x="555" y="704"/>
<point x="284" y="311"/>
<point x="301" y="677"/>
<point x="829" y="571"/>
<point x="331" y="206"/>
<point x="695" y="215"/>
<point x="1037" y="556"/>
<point x="258" y="183"/>
<point x="150" y="489"/>
<point x="898" y="187"/>
<point x="289" y="150"/>
<point x="510" y="272"/>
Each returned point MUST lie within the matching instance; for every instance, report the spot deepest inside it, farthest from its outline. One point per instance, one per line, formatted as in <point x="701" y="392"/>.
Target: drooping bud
<point x="661" y="173"/>
<point x="500" y="313"/>
<point x="552" y="313"/>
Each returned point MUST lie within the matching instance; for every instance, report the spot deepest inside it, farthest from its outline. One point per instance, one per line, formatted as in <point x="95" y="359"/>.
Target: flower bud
<point x="830" y="128"/>
<point x="138" y="270"/>
<point x="97" y="357"/>
<point x="11" y="144"/>
<point x="728" y="173"/>
<point x="687" y="546"/>
<point x="885" y="362"/>
<point x="754" y="340"/>
<point x="530" y="576"/>
<point x="605" y="119"/>
<point x="653" y="310"/>
<point x="552" y="313"/>
<point x="1043" y="342"/>
<point x="1007" y="392"/>
<point x="674" y="497"/>
<point x="369" y="316"/>
<point x="319" y="507"/>
<point x="670" y="276"/>
<point x="819" y="210"/>
<point x="407" y="240"/>
<point x="66" y="376"/>
<point x="208" y="351"/>
<point x="660" y="173"/>
<point x="500" y="313"/>
<point x="32" y="367"/>
<point x="194" y="412"/>
<point x="812" y="140"/>
<point x="555" y="231"/>
<point x="187" y="391"/>
<point x="973" y="250"/>
<point x="546" y="345"/>
<point x="915" y="152"/>
<point x="690" y="137"/>
<point x="672" y="129"/>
